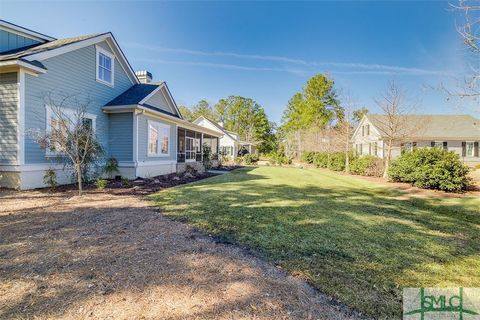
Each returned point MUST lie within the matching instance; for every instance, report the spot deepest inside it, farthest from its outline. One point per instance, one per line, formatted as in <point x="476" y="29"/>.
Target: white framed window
<point x="158" y="139"/>
<point x="469" y="148"/>
<point x="61" y="124"/>
<point x="105" y="66"/>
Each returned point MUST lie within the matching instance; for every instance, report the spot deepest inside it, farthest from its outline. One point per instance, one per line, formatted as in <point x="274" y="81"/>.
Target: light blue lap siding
<point x="8" y="117"/>
<point x="121" y="136"/>
<point x="72" y="74"/>
<point x="10" y="41"/>
<point x="143" y="140"/>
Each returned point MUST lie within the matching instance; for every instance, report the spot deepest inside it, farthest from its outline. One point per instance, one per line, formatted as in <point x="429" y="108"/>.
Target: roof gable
<point x="217" y="126"/>
<point x="57" y="47"/>
<point x="431" y="126"/>
<point x="160" y="99"/>
<point x="154" y="96"/>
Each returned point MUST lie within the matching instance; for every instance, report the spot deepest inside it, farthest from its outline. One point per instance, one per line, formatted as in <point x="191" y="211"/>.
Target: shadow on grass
<point x="357" y="243"/>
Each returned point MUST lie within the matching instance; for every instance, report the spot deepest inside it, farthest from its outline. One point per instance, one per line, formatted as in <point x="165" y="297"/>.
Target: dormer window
<point x="105" y="66"/>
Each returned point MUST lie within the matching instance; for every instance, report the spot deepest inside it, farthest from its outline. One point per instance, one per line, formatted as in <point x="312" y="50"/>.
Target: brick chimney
<point x="144" y="76"/>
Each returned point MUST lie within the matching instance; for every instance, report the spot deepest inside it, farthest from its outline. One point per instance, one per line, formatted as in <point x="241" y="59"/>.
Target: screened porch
<point x="190" y="142"/>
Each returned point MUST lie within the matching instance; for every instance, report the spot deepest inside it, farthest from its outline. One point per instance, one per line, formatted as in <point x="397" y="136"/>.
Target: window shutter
<point x="445" y="145"/>
<point x="363" y="131"/>
<point x="370" y="149"/>
<point x="464" y="149"/>
<point x="432" y="144"/>
<point x="475" y="149"/>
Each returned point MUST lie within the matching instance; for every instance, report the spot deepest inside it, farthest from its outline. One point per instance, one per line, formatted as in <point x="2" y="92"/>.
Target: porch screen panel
<point x="181" y="145"/>
<point x="190" y="149"/>
<point x="198" y="145"/>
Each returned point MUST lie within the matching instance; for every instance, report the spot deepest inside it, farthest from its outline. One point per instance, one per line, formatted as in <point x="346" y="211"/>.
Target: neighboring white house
<point x="230" y="143"/>
<point x="458" y="133"/>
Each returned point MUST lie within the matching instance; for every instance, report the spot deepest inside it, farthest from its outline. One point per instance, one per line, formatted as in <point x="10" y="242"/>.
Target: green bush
<point x="278" y="158"/>
<point x="308" y="157"/>
<point x="320" y="159"/>
<point x="111" y="167"/>
<point x="337" y="161"/>
<point x="250" y="158"/>
<point x="367" y="166"/>
<point x="101" y="183"/>
<point x="431" y="168"/>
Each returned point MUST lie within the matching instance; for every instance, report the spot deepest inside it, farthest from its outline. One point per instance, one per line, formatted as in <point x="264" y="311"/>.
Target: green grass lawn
<point x="352" y="239"/>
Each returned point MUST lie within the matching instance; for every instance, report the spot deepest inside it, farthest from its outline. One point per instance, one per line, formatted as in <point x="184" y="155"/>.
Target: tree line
<point x="238" y="114"/>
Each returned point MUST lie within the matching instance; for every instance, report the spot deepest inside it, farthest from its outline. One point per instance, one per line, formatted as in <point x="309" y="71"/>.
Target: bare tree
<point x="346" y="125"/>
<point x="394" y="125"/>
<point x="469" y="31"/>
<point x="70" y="135"/>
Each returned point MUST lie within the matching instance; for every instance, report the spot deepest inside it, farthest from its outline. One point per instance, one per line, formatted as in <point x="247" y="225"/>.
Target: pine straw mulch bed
<point x="110" y="254"/>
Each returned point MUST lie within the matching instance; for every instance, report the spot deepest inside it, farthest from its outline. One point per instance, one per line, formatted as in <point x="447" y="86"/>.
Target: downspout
<point x="135" y="137"/>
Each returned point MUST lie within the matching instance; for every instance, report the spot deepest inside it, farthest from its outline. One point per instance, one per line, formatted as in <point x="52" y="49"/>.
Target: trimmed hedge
<point x="431" y="168"/>
<point x="308" y="157"/>
<point x="367" y="166"/>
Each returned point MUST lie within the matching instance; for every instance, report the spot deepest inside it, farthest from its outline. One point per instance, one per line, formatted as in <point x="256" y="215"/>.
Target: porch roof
<point x="141" y="109"/>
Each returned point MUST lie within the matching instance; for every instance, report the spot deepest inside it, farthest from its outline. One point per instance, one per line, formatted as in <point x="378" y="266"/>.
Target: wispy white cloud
<point x="303" y="66"/>
<point x="213" y="65"/>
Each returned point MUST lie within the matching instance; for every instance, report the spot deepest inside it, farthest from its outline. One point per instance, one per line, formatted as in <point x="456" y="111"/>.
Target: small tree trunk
<point x="347" y="155"/>
<point x="387" y="159"/>
<point x="79" y="179"/>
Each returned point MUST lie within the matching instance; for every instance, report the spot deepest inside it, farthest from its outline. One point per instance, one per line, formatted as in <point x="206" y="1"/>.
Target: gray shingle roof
<point x="135" y="94"/>
<point x="431" y="126"/>
<point x="26" y="51"/>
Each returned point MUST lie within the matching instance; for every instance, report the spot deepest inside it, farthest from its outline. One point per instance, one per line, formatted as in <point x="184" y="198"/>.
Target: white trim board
<point x="21" y="118"/>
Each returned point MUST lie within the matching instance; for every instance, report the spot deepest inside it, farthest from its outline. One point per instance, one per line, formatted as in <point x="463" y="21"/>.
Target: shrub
<point x="111" y="167"/>
<point x="207" y="156"/>
<point x="278" y="158"/>
<point x="337" y="161"/>
<point x="101" y="183"/>
<point x="320" y="159"/>
<point x="238" y="160"/>
<point x="250" y="158"/>
<point x="50" y="178"/>
<point x="431" y="168"/>
<point x="367" y="166"/>
<point x="308" y="157"/>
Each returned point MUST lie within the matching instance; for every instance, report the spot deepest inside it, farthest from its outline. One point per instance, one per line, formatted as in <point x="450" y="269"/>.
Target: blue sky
<point x="268" y="50"/>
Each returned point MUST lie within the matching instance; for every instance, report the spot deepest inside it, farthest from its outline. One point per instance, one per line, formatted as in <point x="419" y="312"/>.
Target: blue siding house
<point x="135" y="119"/>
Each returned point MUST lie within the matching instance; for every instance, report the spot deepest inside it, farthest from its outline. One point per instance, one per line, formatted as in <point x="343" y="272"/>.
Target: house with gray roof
<point x="135" y="119"/>
<point x="230" y="143"/>
<point x="458" y="133"/>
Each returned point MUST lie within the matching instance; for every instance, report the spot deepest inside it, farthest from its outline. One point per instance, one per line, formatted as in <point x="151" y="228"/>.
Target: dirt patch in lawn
<point x="110" y="255"/>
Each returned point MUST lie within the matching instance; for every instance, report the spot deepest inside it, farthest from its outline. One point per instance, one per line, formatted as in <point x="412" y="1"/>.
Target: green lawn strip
<point x="352" y="239"/>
